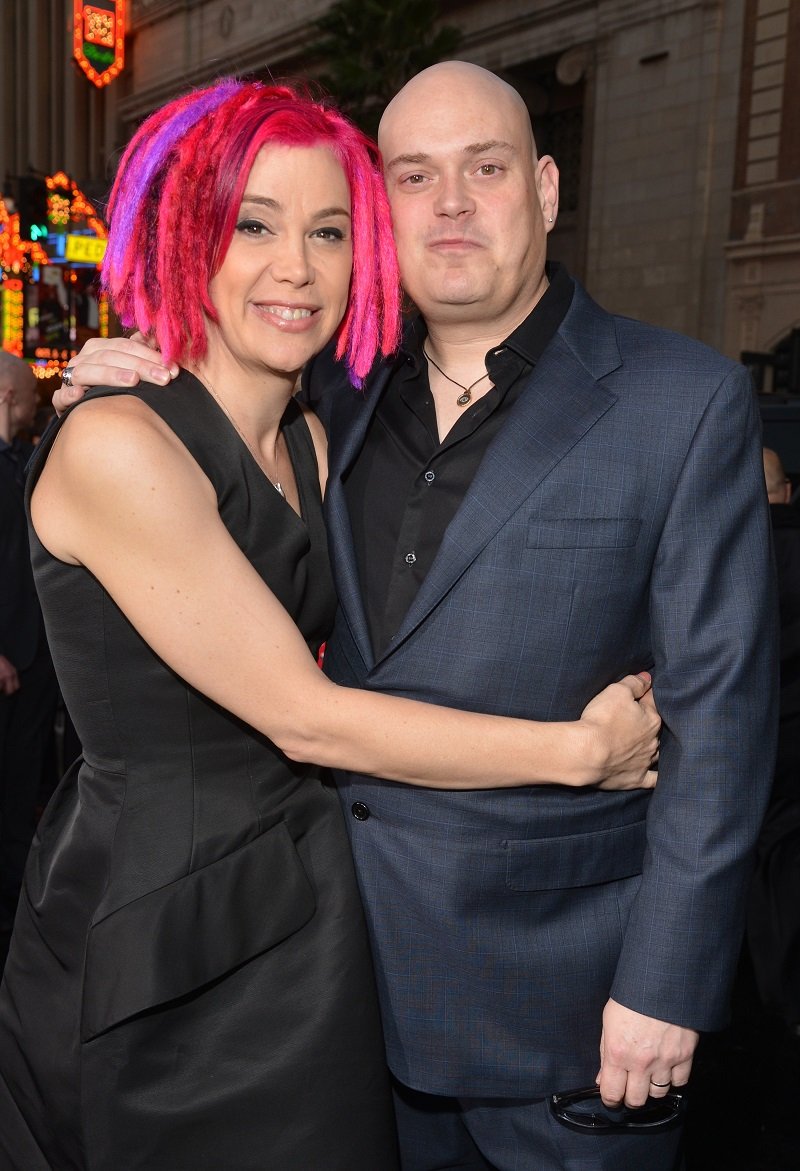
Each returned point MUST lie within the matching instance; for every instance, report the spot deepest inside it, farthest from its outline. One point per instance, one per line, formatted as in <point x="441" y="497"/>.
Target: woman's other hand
<point x="624" y="726"/>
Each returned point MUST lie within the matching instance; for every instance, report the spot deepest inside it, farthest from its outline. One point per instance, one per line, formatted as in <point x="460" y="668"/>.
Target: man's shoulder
<point x="648" y="364"/>
<point x="662" y="344"/>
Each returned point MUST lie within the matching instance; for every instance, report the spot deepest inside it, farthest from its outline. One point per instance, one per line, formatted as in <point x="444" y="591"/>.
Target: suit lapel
<point x="560" y="403"/>
<point x="347" y="427"/>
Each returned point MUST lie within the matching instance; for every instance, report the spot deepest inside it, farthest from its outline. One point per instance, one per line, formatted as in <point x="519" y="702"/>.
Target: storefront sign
<point x="99" y="39"/>
<point x="85" y="249"/>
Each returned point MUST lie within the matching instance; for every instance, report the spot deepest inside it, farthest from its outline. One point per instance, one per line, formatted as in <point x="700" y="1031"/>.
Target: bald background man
<point x="532" y="499"/>
<point x="27" y="682"/>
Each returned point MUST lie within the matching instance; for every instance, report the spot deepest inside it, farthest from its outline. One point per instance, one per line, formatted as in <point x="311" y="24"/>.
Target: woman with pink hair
<point x="189" y="985"/>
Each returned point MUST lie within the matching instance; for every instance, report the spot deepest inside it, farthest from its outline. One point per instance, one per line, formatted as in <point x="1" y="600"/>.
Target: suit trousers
<point x="495" y="1134"/>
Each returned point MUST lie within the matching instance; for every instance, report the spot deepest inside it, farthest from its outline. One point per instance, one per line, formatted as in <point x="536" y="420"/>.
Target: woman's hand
<point x="117" y="361"/>
<point x="623" y="724"/>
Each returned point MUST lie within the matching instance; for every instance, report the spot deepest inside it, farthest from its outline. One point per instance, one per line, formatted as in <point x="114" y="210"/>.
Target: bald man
<point x="533" y="498"/>
<point x="27" y="682"/>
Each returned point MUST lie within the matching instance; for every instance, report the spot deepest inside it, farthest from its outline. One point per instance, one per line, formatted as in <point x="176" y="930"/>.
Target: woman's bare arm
<point x="121" y="496"/>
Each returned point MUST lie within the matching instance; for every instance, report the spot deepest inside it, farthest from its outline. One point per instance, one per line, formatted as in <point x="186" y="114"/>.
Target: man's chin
<point x="450" y="295"/>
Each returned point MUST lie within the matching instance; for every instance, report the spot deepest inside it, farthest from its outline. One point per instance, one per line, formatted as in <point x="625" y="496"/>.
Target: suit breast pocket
<point x="583" y="532"/>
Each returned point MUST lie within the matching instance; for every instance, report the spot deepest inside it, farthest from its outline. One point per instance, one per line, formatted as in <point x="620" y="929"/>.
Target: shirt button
<point x="430" y="477"/>
<point x="410" y="558"/>
<point x="360" y="811"/>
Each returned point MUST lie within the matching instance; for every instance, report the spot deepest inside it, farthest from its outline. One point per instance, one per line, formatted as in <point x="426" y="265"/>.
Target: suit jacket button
<point x="360" y="811"/>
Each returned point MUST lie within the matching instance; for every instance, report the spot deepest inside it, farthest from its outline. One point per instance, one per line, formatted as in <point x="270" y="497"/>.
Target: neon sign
<point x="99" y="39"/>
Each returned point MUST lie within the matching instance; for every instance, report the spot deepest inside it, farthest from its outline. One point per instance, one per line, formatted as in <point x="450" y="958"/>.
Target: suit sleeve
<point x="713" y="612"/>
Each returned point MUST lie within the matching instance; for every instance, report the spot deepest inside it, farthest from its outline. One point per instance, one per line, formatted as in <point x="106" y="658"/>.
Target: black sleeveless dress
<point x="189" y="986"/>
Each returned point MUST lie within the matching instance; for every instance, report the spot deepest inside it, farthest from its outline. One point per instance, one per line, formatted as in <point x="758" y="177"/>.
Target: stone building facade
<point x="672" y="122"/>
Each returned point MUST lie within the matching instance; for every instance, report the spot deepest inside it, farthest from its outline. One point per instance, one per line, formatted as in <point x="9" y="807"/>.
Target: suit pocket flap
<point x="177" y="938"/>
<point x="576" y="860"/>
<point x="583" y="532"/>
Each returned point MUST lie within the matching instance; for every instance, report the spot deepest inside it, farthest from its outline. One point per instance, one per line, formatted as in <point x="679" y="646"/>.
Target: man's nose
<point x="453" y="197"/>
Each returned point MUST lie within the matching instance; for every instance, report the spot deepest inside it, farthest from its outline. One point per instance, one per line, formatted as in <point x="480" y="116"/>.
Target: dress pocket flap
<point x="576" y="860"/>
<point x="583" y="532"/>
<point x="184" y="935"/>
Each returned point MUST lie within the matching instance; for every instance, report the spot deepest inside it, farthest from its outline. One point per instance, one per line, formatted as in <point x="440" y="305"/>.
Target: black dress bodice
<point x="189" y="983"/>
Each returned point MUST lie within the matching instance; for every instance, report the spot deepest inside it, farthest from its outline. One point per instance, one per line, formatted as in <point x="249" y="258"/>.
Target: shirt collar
<point x="532" y="336"/>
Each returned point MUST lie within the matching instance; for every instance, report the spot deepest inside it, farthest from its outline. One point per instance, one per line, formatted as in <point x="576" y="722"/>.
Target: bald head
<point x="448" y="84"/>
<point x="779" y="488"/>
<point x="18" y="396"/>
<point x="471" y="203"/>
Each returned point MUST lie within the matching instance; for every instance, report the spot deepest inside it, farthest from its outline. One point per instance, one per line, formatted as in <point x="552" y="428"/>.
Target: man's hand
<point x="119" y="361"/>
<point x="641" y="1057"/>
<point x="9" y="679"/>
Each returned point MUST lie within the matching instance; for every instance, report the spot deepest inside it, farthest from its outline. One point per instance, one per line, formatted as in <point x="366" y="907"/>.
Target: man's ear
<point x="547" y="187"/>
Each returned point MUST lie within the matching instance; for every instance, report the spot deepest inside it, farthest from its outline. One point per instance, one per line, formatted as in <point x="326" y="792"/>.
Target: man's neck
<point x="465" y="342"/>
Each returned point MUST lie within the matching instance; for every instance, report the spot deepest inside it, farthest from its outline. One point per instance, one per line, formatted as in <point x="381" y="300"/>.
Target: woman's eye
<point x="252" y="228"/>
<point x="414" y="180"/>
<point x="329" y="234"/>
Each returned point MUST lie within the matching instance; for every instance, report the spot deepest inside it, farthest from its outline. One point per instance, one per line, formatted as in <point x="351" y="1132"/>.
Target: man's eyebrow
<point x="273" y="204"/>
<point x="480" y="148"/>
<point x="473" y="148"/>
<point x="405" y="160"/>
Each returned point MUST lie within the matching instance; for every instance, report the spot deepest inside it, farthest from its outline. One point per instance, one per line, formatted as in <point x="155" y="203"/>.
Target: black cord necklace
<point x="466" y="396"/>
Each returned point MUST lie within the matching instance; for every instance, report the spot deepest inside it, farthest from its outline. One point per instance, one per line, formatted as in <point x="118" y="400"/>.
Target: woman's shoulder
<point x="109" y="425"/>
<point x="113" y="443"/>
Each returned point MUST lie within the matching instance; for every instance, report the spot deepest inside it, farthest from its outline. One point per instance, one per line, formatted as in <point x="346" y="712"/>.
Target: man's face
<point x="470" y="204"/>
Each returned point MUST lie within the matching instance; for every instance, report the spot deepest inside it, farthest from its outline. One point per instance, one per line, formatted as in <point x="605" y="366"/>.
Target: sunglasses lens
<point x="584" y="1110"/>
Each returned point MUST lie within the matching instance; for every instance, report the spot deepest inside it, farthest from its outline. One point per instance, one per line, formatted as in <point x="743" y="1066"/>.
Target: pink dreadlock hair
<point x="175" y="201"/>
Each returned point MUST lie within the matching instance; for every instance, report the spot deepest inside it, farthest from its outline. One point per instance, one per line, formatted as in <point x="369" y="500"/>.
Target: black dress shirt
<point x="405" y="485"/>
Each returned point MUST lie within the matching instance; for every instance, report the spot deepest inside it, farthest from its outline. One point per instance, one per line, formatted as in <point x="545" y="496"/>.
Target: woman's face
<point x="282" y="288"/>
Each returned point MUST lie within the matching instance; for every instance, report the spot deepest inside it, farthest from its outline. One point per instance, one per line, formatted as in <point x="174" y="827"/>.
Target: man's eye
<point x="488" y="168"/>
<point x="414" y="180"/>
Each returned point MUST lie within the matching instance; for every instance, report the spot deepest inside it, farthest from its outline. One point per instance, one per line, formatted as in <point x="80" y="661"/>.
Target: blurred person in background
<point x="774" y="914"/>
<point x="28" y="690"/>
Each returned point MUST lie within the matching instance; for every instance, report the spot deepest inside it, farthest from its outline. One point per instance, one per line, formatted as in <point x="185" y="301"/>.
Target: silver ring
<point x="66" y="376"/>
<point x="660" y="1085"/>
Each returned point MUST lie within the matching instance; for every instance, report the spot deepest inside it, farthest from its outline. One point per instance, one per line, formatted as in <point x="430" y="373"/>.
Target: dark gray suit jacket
<point x="617" y="522"/>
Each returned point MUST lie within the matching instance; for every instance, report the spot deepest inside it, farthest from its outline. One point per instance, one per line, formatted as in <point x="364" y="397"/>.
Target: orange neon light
<point x="99" y="39"/>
